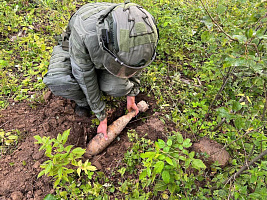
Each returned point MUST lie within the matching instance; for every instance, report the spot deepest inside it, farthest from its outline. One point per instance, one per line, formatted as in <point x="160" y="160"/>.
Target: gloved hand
<point x="102" y="128"/>
<point x="131" y="105"/>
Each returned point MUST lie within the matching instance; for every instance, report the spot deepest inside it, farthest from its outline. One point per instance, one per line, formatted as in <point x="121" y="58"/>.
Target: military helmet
<point x="128" y="36"/>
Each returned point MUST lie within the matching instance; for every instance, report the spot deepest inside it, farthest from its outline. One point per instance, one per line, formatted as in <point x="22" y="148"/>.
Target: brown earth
<point x="19" y="169"/>
<point x="214" y="150"/>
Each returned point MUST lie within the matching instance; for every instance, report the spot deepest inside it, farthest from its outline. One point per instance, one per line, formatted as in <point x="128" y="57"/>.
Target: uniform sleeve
<point x="135" y="90"/>
<point x="84" y="72"/>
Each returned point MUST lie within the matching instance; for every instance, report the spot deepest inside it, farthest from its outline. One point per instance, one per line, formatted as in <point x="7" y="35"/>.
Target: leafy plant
<point x="8" y="139"/>
<point x="62" y="156"/>
<point x="168" y="165"/>
<point x="67" y="185"/>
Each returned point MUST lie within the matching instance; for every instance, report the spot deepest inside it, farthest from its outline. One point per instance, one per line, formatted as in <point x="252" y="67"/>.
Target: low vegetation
<point x="209" y="78"/>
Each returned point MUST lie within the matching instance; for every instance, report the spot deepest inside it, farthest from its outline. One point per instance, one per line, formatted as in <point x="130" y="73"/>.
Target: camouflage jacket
<point x="86" y="54"/>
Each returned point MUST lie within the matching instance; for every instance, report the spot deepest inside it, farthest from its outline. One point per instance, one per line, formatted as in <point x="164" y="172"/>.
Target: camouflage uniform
<point x="76" y="68"/>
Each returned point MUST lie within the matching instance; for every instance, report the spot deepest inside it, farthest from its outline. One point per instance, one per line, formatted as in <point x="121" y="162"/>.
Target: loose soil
<point x="20" y="167"/>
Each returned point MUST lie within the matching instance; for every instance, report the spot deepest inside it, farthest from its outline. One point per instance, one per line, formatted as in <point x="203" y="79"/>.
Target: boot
<point x="82" y="111"/>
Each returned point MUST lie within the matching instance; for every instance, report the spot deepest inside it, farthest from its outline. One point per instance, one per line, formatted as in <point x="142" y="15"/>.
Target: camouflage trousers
<point x="61" y="82"/>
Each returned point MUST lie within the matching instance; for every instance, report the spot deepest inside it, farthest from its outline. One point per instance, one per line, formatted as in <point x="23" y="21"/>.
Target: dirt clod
<point x="17" y="195"/>
<point x="153" y="129"/>
<point x="213" y="149"/>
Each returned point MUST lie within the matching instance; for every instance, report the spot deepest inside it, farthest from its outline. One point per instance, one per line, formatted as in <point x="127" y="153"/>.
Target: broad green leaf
<point x="50" y="197"/>
<point x="78" y="151"/>
<point x="205" y="36"/>
<point x="166" y="176"/>
<point x="180" y="138"/>
<point x="224" y="113"/>
<point x="182" y="158"/>
<point x="169" y="161"/>
<point x="221" y="9"/>
<point x="166" y="149"/>
<point x="161" y="157"/>
<point x="68" y="171"/>
<point x="56" y="183"/>
<point x="13" y="137"/>
<point x="65" y="136"/>
<point x="169" y="142"/>
<point x="187" y="162"/>
<point x="59" y="172"/>
<point x="143" y="175"/>
<point x="241" y="38"/>
<point x="263" y="37"/>
<point x="38" y="138"/>
<point x="191" y="154"/>
<point x="48" y="167"/>
<point x="158" y="167"/>
<point x="240" y="123"/>
<point x="59" y="137"/>
<point x="148" y="171"/>
<point x="187" y="143"/>
<point x="41" y="173"/>
<point x="198" y="164"/>
<point x="48" y="150"/>
<point x="68" y="148"/>
<point x="172" y="187"/>
<point x="91" y="168"/>
<point x="236" y="106"/>
<point x="250" y="33"/>
<point x="160" y="186"/>
<point x="207" y="21"/>
<point x="161" y="143"/>
<point x="148" y="154"/>
<point x="79" y="171"/>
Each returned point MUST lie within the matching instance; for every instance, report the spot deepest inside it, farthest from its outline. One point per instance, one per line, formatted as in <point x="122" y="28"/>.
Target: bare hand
<point x="131" y="105"/>
<point x="102" y="128"/>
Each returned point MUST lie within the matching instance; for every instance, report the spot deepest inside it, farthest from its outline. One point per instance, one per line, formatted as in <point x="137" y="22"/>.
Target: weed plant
<point x="209" y="78"/>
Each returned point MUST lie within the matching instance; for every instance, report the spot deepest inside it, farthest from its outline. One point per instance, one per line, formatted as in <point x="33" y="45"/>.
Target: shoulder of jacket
<point x="86" y="17"/>
<point x="92" y="10"/>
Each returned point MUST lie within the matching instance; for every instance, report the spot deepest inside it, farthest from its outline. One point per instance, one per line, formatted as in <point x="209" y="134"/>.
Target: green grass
<point x="203" y="75"/>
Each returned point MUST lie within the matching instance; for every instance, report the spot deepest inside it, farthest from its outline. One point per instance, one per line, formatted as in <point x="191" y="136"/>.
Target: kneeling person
<point x="103" y="49"/>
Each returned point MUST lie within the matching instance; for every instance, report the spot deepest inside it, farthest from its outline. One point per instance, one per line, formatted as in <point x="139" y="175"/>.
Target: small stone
<point x="60" y="120"/>
<point x="16" y="195"/>
<point x="36" y="165"/>
<point x="38" y="155"/>
<point x="33" y="130"/>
